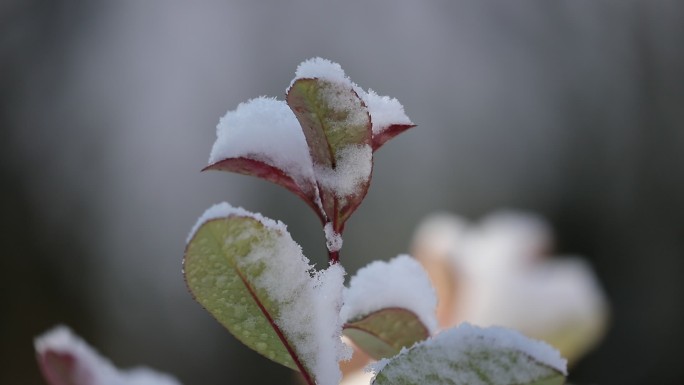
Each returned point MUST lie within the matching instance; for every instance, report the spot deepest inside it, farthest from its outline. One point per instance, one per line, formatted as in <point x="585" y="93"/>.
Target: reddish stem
<point x="334" y="256"/>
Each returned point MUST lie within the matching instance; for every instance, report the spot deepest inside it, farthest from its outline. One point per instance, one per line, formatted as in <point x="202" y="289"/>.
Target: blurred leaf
<point x="65" y="359"/>
<point x="469" y="355"/>
<point x="385" y="332"/>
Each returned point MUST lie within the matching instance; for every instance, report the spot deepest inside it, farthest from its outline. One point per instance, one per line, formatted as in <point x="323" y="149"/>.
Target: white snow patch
<point x="402" y="282"/>
<point x="93" y="369"/>
<point x="461" y="344"/>
<point x="338" y="97"/>
<point x="224" y="210"/>
<point x="322" y="69"/>
<point x="309" y="301"/>
<point x="332" y="239"/>
<point x="353" y="168"/>
<point x="266" y="130"/>
<point x="384" y="111"/>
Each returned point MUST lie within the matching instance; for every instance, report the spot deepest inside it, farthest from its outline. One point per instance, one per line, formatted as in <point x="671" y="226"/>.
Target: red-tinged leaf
<point x="65" y="359"/>
<point x="59" y="368"/>
<point x="390" y="132"/>
<point x="335" y="121"/>
<point x="251" y="276"/>
<point x="259" y="169"/>
<point x="385" y="332"/>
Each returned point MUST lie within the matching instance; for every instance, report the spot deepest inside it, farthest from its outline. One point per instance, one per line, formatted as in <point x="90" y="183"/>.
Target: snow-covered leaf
<point x="498" y="272"/>
<point x="252" y="277"/>
<point x="385" y="332"/>
<point x="65" y="359"/>
<point x="337" y="127"/>
<point x="263" y="138"/>
<point x="468" y="355"/>
<point x="399" y="283"/>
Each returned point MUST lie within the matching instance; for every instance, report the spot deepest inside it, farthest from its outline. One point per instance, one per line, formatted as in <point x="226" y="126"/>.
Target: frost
<point x="353" y="168"/>
<point x="89" y="367"/>
<point x="471" y="355"/>
<point x="308" y="300"/>
<point x="401" y="282"/>
<point x="266" y="130"/>
<point x="332" y="239"/>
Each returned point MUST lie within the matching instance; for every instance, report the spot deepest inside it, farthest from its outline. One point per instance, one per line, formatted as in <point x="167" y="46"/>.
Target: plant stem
<point x="334" y="256"/>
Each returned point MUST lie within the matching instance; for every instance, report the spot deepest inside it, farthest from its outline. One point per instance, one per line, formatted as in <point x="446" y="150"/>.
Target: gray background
<point x="571" y="109"/>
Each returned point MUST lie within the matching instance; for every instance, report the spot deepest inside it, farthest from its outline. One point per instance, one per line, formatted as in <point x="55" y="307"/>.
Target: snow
<point x="308" y="300"/>
<point x="353" y="169"/>
<point x="224" y="210"/>
<point x="332" y="239"/>
<point x="401" y="282"/>
<point x="91" y="368"/>
<point x="461" y="344"/>
<point x="384" y="111"/>
<point x="265" y="129"/>
<point x="322" y="69"/>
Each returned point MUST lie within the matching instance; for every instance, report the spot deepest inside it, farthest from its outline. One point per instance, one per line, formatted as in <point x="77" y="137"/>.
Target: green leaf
<point x="469" y="355"/>
<point x="335" y="121"/>
<point x="332" y="116"/>
<point x="221" y="278"/>
<point x="385" y="332"/>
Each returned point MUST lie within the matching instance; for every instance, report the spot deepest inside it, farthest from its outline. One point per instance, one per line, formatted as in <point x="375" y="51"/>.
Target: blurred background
<point x="570" y="109"/>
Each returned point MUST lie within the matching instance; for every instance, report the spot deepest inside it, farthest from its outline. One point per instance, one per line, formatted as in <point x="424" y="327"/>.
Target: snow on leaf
<point x="385" y="332"/>
<point x="262" y="138"/>
<point x="388" y="117"/>
<point x="65" y="359"/>
<point x="252" y="277"/>
<point x="387" y="114"/>
<point x="399" y="283"/>
<point x="474" y="356"/>
<point x="336" y="123"/>
<point x="318" y="144"/>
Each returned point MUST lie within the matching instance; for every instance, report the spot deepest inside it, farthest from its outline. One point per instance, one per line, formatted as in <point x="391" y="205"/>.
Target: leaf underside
<point x="259" y="169"/>
<point x="385" y="332"/>
<point x="59" y="368"/>
<point x="389" y="133"/>
<point x="222" y="282"/>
